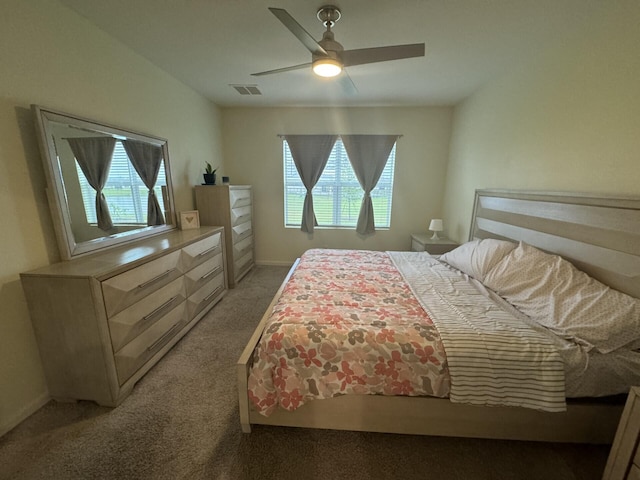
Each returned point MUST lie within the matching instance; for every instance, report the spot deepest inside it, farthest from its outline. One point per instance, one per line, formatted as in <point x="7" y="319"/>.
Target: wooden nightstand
<point x="422" y="242"/>
<point x="624" y="459"/>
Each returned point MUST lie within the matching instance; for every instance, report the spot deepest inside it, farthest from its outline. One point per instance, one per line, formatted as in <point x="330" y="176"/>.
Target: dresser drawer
<point x="239" y="197"/>
<point x="127" y="288"/>
<point x="205" y="295"/>
<point x="240" y="232"/>
<point x="240" y="215"/>
<point x="241" y="248"/>
<point x="243" y="263"/>
<point x="197" y="277"/>
<point x="133" y="320"/>
<point x="137" y="352"/>
<point x="201" y="251"/>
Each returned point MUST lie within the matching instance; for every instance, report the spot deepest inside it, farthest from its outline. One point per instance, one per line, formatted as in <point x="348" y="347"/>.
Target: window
<point x="126" y="193"/>
<point x="337" y="196"/>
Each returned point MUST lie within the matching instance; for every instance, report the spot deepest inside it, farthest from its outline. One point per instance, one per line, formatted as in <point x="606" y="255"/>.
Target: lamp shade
<point x="436" y="225"/>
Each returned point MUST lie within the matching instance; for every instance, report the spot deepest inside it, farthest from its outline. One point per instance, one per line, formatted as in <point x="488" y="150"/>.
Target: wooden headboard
<point x="599" y="235"/>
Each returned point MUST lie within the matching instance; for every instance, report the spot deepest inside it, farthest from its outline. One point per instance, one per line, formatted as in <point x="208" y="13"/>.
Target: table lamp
<point x="435" y="226"/>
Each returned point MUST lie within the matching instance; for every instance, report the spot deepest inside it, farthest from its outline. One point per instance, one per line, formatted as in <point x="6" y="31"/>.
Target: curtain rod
<point x="101" y="136"/>
<point x="399" y="135"/>
<point x="105" y="136"/>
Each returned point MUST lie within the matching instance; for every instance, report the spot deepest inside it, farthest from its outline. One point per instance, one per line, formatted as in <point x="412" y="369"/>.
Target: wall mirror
<point x="106" y="186"/>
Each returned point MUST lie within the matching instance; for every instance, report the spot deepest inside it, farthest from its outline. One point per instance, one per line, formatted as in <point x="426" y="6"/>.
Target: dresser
<point x="103" y="320"/>
<point x="624" y="459"/>
<point x="422" y="242"/>
<point x="230" y="206"/>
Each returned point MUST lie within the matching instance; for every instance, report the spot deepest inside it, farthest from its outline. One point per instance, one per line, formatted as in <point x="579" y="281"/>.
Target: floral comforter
<point x="346" y="323"/>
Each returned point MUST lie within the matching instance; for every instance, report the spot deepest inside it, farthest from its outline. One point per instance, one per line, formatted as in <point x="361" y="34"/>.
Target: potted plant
<point x="209" y="174"/>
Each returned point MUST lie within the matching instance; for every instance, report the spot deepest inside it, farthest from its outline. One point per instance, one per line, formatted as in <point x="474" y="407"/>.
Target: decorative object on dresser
<point x="422" y="242"/>
<point x="209" y="174"/>
<point x="103" y="320"/>
<point x="189" y="219"/>
<point x="231" y="207"/>
<point x="624" y="459"/>
<point x="436" y="226"/>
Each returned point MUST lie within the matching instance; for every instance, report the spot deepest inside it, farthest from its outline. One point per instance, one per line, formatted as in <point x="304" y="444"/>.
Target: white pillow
<point x="477" y="257"/>
<point x="554" y="293"/>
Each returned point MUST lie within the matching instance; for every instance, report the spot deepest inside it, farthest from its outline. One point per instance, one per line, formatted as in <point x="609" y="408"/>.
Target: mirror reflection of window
<point x="124" y="191"/>
<point x="126" y="194"/>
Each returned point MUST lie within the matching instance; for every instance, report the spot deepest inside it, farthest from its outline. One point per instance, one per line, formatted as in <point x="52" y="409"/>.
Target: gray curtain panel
<point x="94" y="154"/>
<point x="310" y="154"/>
<point x="146" y="158"/>
<point x="368" y="155"/>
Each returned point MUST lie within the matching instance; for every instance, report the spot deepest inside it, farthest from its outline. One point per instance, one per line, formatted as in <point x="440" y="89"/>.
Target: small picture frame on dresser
<point x="189" y="219"/>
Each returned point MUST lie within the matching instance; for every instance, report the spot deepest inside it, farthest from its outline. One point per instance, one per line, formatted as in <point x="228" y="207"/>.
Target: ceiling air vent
<point x="247" y="89"/>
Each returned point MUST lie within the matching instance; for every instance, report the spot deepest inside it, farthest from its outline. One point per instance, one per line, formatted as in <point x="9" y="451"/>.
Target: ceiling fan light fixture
<point x="327" y="67"/>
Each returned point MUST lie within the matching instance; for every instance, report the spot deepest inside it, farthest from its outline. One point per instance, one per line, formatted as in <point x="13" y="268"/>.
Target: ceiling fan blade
<point x="300" y="33"/>
<point x="347" y="84"/>
<point x="283" y="69"/>
<point x="381" y="54"/>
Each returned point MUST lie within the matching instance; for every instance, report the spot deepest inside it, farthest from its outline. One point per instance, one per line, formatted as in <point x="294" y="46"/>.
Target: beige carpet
<point x="181" y="421"/>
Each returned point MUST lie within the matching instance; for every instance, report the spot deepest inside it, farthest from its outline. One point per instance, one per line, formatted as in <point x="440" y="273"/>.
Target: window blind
<point x="126" y="194"/>
<point x="337" y="196"/>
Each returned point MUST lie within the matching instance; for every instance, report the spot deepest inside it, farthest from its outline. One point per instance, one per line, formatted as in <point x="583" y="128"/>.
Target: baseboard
<point x="269" y="263"/>
<point x="24" y="413"/>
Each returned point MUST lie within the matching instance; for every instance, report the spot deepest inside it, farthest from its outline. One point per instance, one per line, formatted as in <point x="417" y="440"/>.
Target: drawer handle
<point x="161" y="340"/>
<point x="242" y="252"/>
<point x="242" y="217"/>
<point x="212" y="294"/>
<point x="155" y="279"/>
<point x="159" y="309"/>
<point x="212" y="272"/>
<point x="207" y="252"/>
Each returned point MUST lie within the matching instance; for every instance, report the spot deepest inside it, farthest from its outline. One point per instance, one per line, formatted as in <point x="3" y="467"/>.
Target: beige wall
<point x="52" y="57"/>
<point x="253" y="154"/>
<point x="566" y="120"/>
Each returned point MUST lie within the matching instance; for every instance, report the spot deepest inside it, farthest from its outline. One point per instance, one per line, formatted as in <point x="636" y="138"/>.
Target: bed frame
<point x="600" y="235"/>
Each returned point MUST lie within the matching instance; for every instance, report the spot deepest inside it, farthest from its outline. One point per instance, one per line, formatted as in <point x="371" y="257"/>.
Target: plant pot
<point x="209" y="178"/>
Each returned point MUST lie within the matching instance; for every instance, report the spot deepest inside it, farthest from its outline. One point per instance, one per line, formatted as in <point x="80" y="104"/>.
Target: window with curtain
<point x="126" y="193"/>
<point x="337" y="196"/>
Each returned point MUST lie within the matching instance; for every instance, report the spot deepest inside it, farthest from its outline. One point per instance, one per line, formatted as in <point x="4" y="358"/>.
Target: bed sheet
<point x="494" y="357"/>
<point x="362" y="322"/>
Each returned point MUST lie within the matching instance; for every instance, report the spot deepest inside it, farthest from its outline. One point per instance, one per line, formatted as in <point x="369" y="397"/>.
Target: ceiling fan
<point x="328" y="57"/>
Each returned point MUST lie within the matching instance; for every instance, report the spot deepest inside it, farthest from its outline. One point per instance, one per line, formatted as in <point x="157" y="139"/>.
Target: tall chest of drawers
<point x="102" y="321"/>
<point x="232" y="207"/>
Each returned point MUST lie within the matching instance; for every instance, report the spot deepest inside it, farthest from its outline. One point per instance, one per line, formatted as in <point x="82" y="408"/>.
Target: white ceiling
<point x="210" y="44"/>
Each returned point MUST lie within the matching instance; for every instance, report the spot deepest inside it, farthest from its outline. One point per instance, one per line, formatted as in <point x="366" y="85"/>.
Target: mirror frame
<point x="56" y="196"/>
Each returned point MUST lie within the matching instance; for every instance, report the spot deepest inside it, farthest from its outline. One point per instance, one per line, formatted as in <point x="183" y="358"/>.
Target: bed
<point x="598" y="235"/>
